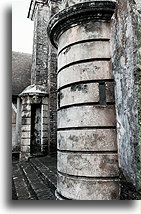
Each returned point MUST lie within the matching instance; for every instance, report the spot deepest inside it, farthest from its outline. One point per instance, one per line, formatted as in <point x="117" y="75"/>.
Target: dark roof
<point x="21" y="71"/>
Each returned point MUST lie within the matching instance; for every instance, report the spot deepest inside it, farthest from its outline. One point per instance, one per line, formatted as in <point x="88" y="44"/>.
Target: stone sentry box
<point x="86" y="121"/>
<point x="34" y="130"/>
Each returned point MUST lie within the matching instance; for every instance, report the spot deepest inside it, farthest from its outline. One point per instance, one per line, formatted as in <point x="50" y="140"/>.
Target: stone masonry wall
<point x="126" y="44"/>
<point x="39" y="72"/>
<point x="52" y="85"/>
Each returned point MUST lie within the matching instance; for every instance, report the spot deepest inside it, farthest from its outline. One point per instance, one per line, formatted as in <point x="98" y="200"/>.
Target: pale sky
<point x="22" y="27"/>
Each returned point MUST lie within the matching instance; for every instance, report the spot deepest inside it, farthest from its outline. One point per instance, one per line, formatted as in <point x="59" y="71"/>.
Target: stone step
<point x="45" y="173"/>
<point x="50" y="162"/>
<point x="19" y="185"/>
<point x="40" y="189"/>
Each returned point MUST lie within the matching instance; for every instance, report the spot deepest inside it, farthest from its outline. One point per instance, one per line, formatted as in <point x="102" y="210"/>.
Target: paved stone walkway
<point x="34" y="179"/>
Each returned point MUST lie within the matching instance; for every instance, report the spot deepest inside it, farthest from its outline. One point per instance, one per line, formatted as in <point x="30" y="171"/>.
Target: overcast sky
<point x="22" y="27"/>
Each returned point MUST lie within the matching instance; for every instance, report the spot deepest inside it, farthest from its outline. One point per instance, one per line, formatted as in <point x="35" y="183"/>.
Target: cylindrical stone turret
<point x="87" y="148"/>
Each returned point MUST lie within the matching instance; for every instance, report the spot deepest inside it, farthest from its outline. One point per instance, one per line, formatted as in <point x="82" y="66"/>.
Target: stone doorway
<point x="35" y="129"/>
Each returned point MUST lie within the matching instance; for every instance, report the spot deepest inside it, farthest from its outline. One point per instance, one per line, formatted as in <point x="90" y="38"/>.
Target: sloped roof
<point x="21" y="71"/>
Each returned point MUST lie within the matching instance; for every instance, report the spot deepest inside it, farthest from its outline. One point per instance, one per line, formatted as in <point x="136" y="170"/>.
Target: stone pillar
<point x="87" y="148"/>
<point x="52" y="85"/>
<point x="36" y="94"/>
<point x="18" y="122"/>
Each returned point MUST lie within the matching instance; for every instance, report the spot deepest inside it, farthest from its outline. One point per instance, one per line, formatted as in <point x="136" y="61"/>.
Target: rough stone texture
<point x="87" y="31"/>
<point x="13" y="127"/>
<point x="89" y="71"/>
<point x="36" y="94"/>
<point x="79" y="93"/>
<point x="126" y="44"/>
<point x="92" y="189"/>
<point x="68" y="3"/>
<point x="83" y="105"/>
<point x="88" y="165"/>
<point x="84" y="116"/>
<point x="34" y="117"/>
<point x="52" y="84"/>
<point x="84" y="93"/>
<point x="86" y="50"/>
<point x="39" y="72"/>
<point x="88" y="140"/>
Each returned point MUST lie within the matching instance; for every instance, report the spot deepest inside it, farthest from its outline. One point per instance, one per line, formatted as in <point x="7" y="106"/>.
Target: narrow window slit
<point x="102" y="93"/>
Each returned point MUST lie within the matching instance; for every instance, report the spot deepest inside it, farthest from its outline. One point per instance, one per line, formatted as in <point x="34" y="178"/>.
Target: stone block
<point x="24" y="155"/>
<point x="87" y="31"/>
<point x="25" y="142"/>
<point x="45" y="107"/>
<point x="26" y="121"/>
<point x="86" y="116"/>
<point x="87" y="189"/>
<point x="96" y="70"/>
<point x="25" y="100"/>
<point x="26" y="107"/>
<point x="25" y="149"/>
<point x="79" y="93"/>
<point x="26" y="128"/>
<point x="26" y="114"/>
<point x="45" y="120"/>
<point x="84" y="51"/>
<point x="87" y="140"/>
<point x="44" y="141"/>
<point x="45" y="127"/>
<point x="45" y="113"/>
<point x="26" y="134"/>
<point x="44" y="134"/>
<point x="88" y="164"/>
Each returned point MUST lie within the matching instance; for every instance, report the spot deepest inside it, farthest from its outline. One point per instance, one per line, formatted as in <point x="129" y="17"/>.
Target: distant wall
<point x="126" y="43"/>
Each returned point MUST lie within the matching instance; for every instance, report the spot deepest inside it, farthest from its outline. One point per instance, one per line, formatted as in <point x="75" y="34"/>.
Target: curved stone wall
<point x="87" y="149"/>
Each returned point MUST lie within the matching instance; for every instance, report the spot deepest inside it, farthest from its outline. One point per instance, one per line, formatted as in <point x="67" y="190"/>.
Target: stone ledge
<point x="78" y="14"/>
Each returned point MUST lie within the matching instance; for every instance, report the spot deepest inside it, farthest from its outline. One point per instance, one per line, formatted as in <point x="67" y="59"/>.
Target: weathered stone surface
<point x="84" y="32"/>
<point x="92" y="189"/>
<point x="80" y="48"/>
<point x="96" y="70"/>
<point x="39" y="71"/>
<point x="87" y="140"/>
<point x="68" y="3"/>
<point x="26" y="121"/>
<point x="45" y="121"/>
<point x="45" y="107"/>
<point x="25" y="149"/>
<point x="26" y="107"/>
<point x="45" y="100"/>
<point x="86" y="116"/>
<point x="44" y="141"/>
<point x="45" y="114"/>
<point x="84" y="51"/>
<point x="45" y="134"/>
<point x="44" y="127"/>
<point x="84" y="93"/>
<point x="126" y="67"/>
<point x="26" y="134"/>
<point x="110" y="95"/>
<point x="77" y="15"/>
<point x="90" y="165"/>
<point x="79" y="93"/>
<point x="25" y="142"/>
